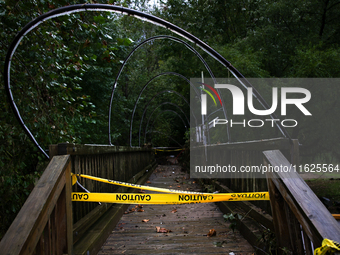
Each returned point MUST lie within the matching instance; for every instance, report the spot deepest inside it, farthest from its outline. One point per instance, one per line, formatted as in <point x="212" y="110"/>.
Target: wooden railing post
<point x="44" y="223"/>
<point x="299" y="217"/>
<point x="68" y="204"/>
<point x="279" y="216"/>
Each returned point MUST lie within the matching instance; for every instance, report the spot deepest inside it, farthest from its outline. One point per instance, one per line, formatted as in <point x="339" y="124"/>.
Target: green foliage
<point x="233" y="219"/>
<point x="63" y="73"/>
<point x="314" y="61"/>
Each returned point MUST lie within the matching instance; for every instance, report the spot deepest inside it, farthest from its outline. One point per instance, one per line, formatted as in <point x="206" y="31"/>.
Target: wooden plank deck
<point x="189" y="225"/>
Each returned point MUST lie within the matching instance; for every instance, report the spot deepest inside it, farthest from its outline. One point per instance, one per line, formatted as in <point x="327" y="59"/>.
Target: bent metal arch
<point x="140" y="94"/>
<point x="175" y="39"/>
<point x="117" y="9"/>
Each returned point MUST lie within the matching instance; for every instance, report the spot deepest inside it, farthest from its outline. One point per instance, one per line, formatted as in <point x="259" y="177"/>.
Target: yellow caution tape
<point x="135" y="198"/>
<point x="74" y="179"/>
<point x="336" y="216"/>
<point x="328" y="247"/>
<point x="136" y="186"/>
<point x="176" y="196"/>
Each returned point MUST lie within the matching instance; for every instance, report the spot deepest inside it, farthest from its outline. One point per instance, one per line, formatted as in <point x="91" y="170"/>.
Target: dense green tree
<point x="61" y="79"/>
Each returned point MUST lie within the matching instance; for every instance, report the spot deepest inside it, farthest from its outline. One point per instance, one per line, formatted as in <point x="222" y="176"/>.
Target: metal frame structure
<point x="136" y="48"/>
<point x="140" y="94"/>
<point x="138" y="14"/>
<point x="147" y="105"/>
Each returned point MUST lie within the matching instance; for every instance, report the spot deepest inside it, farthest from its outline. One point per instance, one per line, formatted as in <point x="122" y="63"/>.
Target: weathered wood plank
<point x="68" y="205"/>
<point x="25" y="231"/>
<point x="111" y="162"/>
<point x="294" y="231"/>
<point x="253" y="211"/>
<point x="190" y="225"/>
<point x="96" y="235"/>
<point x="86" y="222"/>
<point x="93" y="149"/>
<point x="279" y="217"/>
<point x="313" y="216"/>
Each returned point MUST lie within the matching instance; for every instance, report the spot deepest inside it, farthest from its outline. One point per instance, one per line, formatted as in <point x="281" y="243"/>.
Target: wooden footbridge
<point x="294" y="221"/>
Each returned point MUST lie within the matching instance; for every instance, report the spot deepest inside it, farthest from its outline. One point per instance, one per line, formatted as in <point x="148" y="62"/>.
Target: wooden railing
<point x="110" y="162"/>
<point x="93" y="222"/>
<point x="300" y="220"/>
<point x="44" y="224"/>
<point x="246" y="154"/>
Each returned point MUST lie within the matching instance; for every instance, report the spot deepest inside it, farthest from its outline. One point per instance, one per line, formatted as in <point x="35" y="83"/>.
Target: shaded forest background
<point x="63" y="73"/>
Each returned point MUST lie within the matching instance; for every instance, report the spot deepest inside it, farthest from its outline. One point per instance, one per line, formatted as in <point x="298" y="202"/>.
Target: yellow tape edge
<point x="138" y="198"/>
<point x="171" y="191"/>
<point x="327" y="246"/>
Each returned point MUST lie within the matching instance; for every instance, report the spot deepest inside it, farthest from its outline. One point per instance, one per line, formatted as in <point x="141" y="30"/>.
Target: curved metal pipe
<point x="146" y="107"/>
<point x="118" y="9"/>
<point x="145" y="86"/>
<point x="136" y="48"/>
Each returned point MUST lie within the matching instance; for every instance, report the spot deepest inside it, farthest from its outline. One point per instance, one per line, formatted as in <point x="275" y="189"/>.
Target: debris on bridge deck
<point x="174" y="229"/>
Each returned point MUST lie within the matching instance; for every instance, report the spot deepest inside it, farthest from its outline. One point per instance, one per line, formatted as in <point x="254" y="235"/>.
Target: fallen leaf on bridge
<point x="162" y="230"/>
<point x="148" y="182"/>
<point x="178" y="186"/>
<point x="140" y="210"/>
<point x="145" y="220"/>
<point x="174" y="210"/>
<point x="212" y="232"/>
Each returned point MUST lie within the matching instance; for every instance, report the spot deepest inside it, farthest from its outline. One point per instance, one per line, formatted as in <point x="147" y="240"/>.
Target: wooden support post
<point x="53" y="150"/>
<point x="69" y="218"/>
<point x="294" y="231"/>
<point x="33" y="230"/>
<point x="279" y="216"/>
<point x="305" y="208"/>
